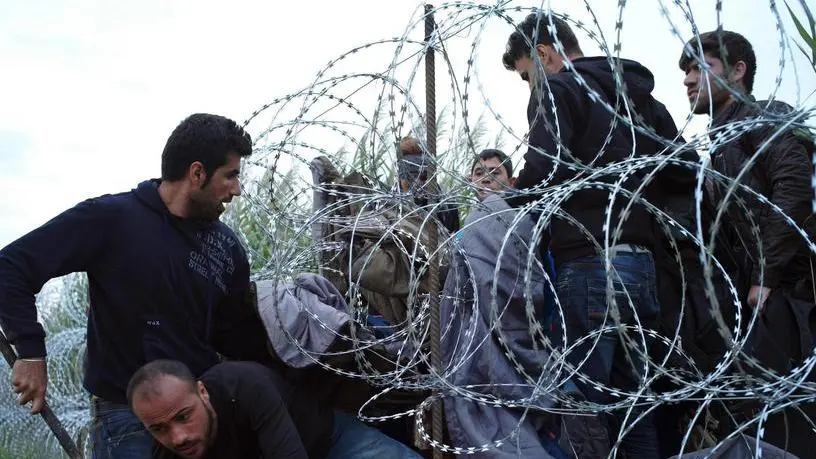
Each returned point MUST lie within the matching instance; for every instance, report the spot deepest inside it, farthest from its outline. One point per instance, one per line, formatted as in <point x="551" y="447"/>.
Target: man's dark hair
<point x="205" y="138"/>
<point x="519" y="43"/>
<point x="729" y="47"/>
<point x="145" y="378"/>
<point x="493" y="153"/>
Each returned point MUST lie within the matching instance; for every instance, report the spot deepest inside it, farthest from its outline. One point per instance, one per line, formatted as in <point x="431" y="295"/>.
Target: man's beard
<point x="208" y="439"/>
<point x="702" y="107"/>
<point x="713" y="105"/>
<point x="202" y="207"/>
<point x="212" y="426"/>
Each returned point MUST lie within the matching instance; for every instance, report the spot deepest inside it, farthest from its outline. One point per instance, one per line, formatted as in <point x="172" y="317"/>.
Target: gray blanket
<point x="478" y="335"/>
<point x="302" y="318"/>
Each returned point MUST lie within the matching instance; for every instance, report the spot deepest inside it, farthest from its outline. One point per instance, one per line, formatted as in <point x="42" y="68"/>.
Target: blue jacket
<point x="156" y="284"/>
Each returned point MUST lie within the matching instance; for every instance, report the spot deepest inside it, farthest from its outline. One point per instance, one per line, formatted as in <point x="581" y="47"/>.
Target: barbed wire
<point x="720" y="385"/>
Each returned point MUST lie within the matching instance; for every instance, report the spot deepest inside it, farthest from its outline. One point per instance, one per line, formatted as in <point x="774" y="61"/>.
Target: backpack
<point x="374" y="250"/>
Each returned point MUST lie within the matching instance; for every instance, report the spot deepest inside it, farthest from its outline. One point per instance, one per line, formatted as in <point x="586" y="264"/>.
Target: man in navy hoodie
<point x="166" y="279"/>
<point x="573" y="139"/>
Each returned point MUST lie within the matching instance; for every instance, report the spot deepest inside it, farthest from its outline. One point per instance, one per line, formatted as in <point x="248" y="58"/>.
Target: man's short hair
<point x="538" y="23"/>
<point x="204" y="138"/>
<point x="729" y="47"/>
<point x="145" y="378"/>
<point x="493" y="153"/>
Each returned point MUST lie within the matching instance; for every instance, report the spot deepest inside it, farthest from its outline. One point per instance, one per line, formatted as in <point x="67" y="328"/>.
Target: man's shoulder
<point x="108" y="203"/>
<point x="759" y="108"/>
<point x="113" y="199"/>
<point x="239" y="380"/>
<point x="493" y="217"/>
<point x="773" y="107"/>
<point x="233" y="370"/>
<point x="490" y="205"/>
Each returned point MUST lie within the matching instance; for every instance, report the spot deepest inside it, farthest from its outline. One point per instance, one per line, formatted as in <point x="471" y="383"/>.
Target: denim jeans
<point x="581" y="287"/>
<point x="354" y="440"/>
<point x="116" y="433"/>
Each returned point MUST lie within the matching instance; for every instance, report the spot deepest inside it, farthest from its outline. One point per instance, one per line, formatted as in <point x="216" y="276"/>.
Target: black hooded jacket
<point x="562" y="112"/>
<point x="159" y="287"/>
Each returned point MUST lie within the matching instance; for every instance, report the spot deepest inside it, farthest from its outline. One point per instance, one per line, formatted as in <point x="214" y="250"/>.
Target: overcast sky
<point x="90" y="89"/>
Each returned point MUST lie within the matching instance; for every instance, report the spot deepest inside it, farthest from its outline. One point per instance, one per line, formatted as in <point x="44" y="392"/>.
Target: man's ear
<point x="737" y="73"/>
<point x="544" y="54"/>
<point x="202" y="391"/>
<point x="512" y="182"/>
<point x="196" y="174"/>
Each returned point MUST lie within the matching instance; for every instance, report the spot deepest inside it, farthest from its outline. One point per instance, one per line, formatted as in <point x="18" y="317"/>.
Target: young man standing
<point x="773" y="269"/>
<point x="166" y="280"/>
<point x="721" y="88"/>
<point x="569" y="141"/>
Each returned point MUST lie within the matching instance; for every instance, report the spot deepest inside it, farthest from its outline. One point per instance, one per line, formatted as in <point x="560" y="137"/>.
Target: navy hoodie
<point x="583" y="128"/>
<point x="156" y="282"/>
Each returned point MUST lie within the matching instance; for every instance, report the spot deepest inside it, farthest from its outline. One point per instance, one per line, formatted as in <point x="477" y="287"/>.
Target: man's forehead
<point x="164" y="392"/>
<point x="233" y="160"/>
<point x="158" y="412"/>
<point x="709" y="59"/>
<point x="493" y="161"/>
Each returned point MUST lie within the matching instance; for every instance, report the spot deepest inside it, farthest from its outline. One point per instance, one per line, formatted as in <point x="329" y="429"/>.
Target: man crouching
<point x="245" y="410"/>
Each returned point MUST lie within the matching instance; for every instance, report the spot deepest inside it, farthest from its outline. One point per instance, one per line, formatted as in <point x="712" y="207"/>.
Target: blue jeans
<point x="354" y="440"/>
<point x="116" y="433"/>
<point x="582" y="291"/>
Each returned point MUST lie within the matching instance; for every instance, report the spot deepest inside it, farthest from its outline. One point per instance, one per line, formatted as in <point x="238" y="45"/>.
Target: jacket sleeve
<point x="549" y="127"/>
<point x="239" y="333"/>
<point x="70" y="242"/>
<point x="260" y="404"/>
<point x="788" y="170"/>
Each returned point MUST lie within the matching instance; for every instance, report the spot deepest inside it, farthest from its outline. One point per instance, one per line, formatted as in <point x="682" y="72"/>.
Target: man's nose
<point x="236" y="189"/>
<point x="691" y="80"/>
<point x="178" y="436"/>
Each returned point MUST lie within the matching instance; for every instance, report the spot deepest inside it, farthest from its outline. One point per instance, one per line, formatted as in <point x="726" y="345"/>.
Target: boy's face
<point x="489" y="175"/>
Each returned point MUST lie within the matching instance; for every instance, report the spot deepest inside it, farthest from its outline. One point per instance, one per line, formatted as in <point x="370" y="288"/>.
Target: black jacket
<point x="781" y="173"/>
<point x="261" y="415"/>
<point x="591" y="148"/>
<point x="159" y="287"/>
